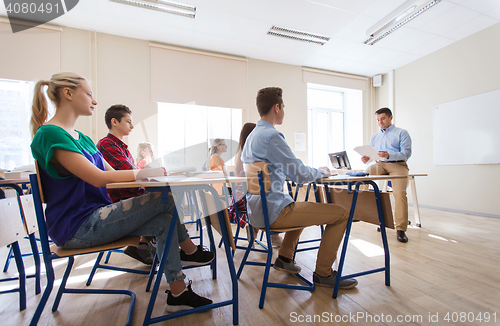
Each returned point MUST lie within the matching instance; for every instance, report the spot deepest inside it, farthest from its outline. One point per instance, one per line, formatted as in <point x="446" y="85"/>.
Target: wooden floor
<point x="449" y="268"/>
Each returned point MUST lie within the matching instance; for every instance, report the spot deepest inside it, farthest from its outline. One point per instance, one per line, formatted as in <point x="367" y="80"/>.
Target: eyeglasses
<point x="222" y="145"/>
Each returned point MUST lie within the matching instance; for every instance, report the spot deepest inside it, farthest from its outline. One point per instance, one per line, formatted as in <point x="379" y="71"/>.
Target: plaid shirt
<point x="116" y="153"/>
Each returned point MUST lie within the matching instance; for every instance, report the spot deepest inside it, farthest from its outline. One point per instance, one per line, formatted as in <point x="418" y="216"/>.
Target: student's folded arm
<point x="78" y="165"/>
<point x="107" y="166"/>
<point x="281" y="155"/>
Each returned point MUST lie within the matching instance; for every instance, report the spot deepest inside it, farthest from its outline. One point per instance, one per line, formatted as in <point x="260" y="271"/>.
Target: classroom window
<point x="16" y="97"/>
<point x="335" y="123"/>
<point x="185" y="133"/>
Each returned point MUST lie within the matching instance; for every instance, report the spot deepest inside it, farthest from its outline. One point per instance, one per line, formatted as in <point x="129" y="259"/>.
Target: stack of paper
<point x="369" y="151"/>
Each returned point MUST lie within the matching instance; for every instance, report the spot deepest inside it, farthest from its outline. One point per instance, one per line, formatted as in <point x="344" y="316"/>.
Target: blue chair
<point x="231" y="171"/>
<point x="295" y="196"/>
<point x="11" y="232"/>
<point x="258" y="184"/>
<point x="30" y="236"/>
<point x="193" y="210"/>
<point x="51" y="253"/>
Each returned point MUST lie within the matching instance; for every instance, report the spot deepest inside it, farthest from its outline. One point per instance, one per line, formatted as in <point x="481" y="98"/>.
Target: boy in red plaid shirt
<point x="119" y="122"/>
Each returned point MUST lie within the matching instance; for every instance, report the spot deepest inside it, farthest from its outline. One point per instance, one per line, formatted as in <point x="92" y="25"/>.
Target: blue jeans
<point x="145" y="215"/>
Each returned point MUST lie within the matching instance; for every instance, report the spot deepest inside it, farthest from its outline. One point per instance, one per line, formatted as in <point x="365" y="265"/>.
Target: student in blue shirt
<point x="267" y="144"/>
<point x="394" y="146"/>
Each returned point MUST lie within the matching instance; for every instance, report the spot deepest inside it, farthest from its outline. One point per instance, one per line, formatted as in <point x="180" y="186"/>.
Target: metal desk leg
<point x="156" y="286"/>
<point x="416" y="210"/>
<point x="346" y="241"/>
<point x="386" y="268"/>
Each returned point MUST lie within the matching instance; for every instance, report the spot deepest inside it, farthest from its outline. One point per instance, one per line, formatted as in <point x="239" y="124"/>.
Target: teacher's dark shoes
<point x="329" y="281"/>
<point x="402" y="236"/>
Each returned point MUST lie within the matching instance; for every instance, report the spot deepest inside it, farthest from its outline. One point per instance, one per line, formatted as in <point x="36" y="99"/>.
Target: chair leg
<point x="247" y="252"/>
<point x="198" y="223"/>
<point x="22" y="275"/>
<point x="265" y="280"/>
<point x="62" y="287"/>
<point x="36" y="258"/>
<point x="7" y="261"/>
<point x="49" y="271"/>
<point x="96" y="266"/>
<point x="108" y="255"/>
<point x="152" y="273"/>
<point x="237" y="234"/>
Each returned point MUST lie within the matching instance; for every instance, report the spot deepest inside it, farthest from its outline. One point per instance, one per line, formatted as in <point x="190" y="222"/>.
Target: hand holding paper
<point x="367" y="150"/>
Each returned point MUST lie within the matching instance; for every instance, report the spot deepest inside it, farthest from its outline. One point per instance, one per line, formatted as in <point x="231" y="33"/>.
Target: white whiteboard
<point x="467" y="131"/>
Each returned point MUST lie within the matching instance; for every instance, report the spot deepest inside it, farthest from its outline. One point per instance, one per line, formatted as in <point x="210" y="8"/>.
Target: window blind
<point x="30" y="55"/>
<point x="180" y="75"/>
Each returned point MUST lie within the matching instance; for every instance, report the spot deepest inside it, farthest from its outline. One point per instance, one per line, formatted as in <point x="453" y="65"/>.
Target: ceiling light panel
<point x="162" y="6"/>
<point x="293" y="34"/>
<point x="398" y="18"/>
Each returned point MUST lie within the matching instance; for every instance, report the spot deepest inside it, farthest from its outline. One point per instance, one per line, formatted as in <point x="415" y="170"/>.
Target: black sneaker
<point x="200" y="257"/>
<point x="186" y="300"/>
<point x="152" y="247"/>
<point x="141" y="253"/>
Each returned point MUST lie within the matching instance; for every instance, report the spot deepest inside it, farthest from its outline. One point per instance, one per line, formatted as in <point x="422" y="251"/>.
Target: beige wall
<point x="264" y="74"/>
<point x="119" y="69"/>
<point x="465" y="68"/>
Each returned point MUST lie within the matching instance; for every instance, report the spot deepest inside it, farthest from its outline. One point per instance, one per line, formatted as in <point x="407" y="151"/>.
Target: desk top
<point x="10" y="181"/>
<point x="176" y="180"/>
<point x="417" y="175"/>
<point x="348" y="178"/>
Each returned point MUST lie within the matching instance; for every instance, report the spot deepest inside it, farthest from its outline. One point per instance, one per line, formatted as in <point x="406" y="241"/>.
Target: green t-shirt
<point x="70" y="200"/>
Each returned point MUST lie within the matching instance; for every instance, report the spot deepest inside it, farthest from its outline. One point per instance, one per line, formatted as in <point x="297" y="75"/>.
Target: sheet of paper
<point x="300" y="142"/>
<point x="369" y="151"/>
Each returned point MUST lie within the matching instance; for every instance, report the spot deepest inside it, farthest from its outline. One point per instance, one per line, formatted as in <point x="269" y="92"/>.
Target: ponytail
<point x="39" y="108"/>
<point x="217" y="142"/>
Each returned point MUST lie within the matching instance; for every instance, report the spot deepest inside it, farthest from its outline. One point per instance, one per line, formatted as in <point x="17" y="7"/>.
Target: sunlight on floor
<point x="83" y="278"/>
<point x="71" y="280"/>
<point x="437" y="237"/>
<point x="88" y="264"/>
<point x="367" y="248"/>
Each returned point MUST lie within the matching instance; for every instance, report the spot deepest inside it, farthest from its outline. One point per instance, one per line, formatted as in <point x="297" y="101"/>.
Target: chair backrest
<point x="36" y="190"/>
<point x="230" y="170"/>
<point x="252" y="173"/>
<point x="12" y="228"/>
<point x="211" y="210"/>
<point x="39" y="179"/>
<point x="28" y="212"/>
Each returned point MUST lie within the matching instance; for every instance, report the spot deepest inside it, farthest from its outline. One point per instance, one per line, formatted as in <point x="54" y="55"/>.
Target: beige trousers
<point x="398" y="189"/>
<point x="305" y="214"/>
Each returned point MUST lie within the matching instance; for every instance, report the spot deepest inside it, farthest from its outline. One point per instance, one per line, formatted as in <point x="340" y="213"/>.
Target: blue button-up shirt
<point x="267" y="144"/>
<point x="394" y="140"/>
